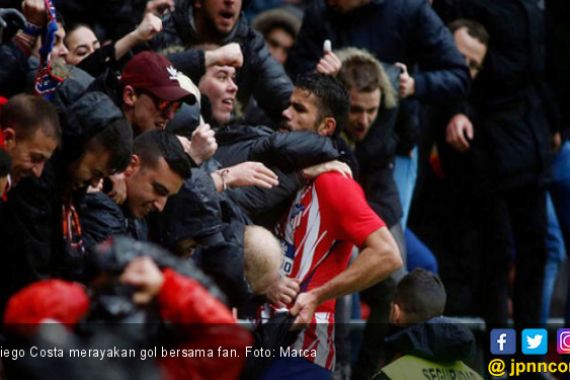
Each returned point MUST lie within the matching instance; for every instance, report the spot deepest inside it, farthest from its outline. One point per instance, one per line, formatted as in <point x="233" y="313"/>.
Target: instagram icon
<point x="563" y="341"/>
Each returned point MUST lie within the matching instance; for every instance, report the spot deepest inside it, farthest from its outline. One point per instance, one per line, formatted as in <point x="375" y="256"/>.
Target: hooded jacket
<point x="435" y="346"/>
<point x="260" y="76"/>
<point x="31" y="234"/>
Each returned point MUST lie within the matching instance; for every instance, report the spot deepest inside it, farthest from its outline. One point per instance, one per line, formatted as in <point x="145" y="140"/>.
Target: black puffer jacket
<point x="197" y="213"/>
<point x="287" y="151"/>
<point x="193" y="213"/>
<point x="260" y="76"/>
<point x="100" y="218"/>
<point x="284" y="153"/>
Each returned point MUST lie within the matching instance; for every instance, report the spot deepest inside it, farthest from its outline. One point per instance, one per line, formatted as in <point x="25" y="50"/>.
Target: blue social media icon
<point x="534" y="341"/>
<point x="503" y="341"/>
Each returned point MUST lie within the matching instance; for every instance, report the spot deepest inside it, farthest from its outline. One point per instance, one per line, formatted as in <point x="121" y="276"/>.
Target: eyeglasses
<point x="163" y="106"/>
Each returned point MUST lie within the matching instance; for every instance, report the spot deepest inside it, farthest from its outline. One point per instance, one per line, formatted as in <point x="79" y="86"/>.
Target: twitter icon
<point x="534" y="341"/>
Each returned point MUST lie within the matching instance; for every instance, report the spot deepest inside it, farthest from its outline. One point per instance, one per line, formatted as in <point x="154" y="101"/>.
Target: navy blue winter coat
<point x="407" y="31"/>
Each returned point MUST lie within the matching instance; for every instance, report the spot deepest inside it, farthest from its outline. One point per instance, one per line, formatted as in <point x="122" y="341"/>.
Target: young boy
<point x="430" y="346"/>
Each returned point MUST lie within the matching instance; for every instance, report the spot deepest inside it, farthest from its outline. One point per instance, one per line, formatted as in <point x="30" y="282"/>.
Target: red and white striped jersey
<point x="327" y="218"/>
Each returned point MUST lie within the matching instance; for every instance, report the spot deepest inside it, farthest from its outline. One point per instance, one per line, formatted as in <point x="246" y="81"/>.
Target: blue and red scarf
<point x="46" y="82"/>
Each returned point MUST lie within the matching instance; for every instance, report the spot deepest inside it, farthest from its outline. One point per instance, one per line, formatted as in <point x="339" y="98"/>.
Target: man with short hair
<point x="395" y="32"/>
<point x="157" y="169"/>
<point x="462" y="207"/>
<point x="319" y="232"/>
<point x="30" y="134"/>
<point x="514" y="130"/>
<point x="472" y="41"/>
<point x="419" y="296"/>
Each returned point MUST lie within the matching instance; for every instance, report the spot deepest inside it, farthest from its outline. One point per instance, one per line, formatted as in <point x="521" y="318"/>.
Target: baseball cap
<point x="154" y="73"/>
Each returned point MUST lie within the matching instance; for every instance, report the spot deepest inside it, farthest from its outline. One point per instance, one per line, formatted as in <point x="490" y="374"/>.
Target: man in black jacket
<point x="449" y="203"/>
<point x="513" y="112"/>
<point x="220" y="22"/>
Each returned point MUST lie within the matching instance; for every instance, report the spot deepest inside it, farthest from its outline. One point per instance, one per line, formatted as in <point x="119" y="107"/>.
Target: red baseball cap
<point x="153" y="72"/>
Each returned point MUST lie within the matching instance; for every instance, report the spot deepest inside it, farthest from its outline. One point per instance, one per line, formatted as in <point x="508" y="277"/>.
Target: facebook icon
<point x="503" y="341"/>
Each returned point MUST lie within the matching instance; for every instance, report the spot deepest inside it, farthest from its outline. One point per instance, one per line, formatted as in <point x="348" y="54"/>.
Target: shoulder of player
<point x="333" y="179"/>
<point x="335" y="186"/>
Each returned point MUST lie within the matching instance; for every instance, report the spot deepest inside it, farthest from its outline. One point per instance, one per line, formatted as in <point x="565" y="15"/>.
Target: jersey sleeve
<point x="344" y="207"/>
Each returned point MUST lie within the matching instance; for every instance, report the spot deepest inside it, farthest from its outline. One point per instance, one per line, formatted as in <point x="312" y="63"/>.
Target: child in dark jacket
<point x="426" y="345"/>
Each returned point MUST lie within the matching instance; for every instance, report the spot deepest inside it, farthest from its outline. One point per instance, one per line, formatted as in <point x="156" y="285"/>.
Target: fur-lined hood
<point x="389" y="94"/>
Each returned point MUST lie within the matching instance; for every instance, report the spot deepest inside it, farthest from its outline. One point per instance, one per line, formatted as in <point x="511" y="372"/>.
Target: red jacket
<point x="202" y="319"/>
<point x="210" y="325"/>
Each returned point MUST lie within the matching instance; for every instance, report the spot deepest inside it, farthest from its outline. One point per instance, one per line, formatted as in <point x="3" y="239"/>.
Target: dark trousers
<point x="514" y="221"/>
<point x="477" y="236"/>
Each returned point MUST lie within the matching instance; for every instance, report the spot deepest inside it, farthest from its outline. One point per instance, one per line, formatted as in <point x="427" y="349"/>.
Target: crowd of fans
<point x="181" y="164"/>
